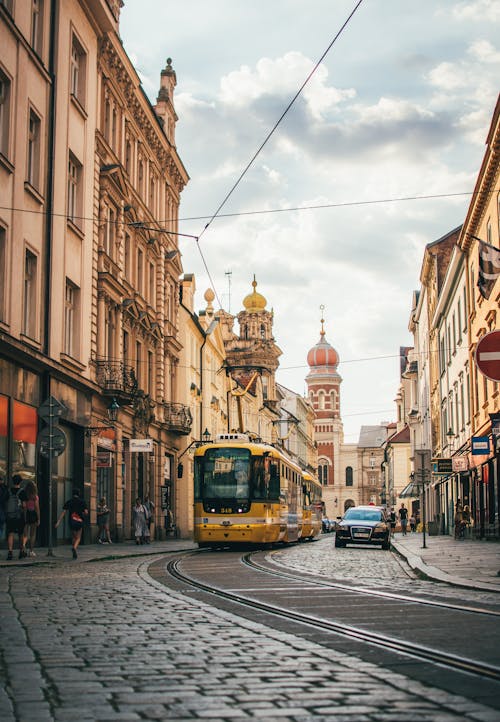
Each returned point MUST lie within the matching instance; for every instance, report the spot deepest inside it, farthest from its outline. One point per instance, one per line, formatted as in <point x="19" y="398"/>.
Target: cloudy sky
<point x="399" y="108"/>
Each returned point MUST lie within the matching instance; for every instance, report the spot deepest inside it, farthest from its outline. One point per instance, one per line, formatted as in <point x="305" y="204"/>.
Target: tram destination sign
<point x="442" y="466"/>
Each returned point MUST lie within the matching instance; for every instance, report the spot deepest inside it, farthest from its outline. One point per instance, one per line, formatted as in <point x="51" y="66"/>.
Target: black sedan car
<point x="363" y="525"/>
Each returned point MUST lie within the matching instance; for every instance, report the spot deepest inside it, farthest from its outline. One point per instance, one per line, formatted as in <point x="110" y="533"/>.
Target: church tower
<point x="323" y="388"/>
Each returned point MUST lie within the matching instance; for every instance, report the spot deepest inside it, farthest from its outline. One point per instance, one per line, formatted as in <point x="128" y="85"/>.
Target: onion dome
<point x="323" y="354"/>
<point x="254" y="301"/>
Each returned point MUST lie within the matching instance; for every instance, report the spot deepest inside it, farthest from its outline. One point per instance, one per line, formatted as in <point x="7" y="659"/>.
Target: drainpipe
<point x="49" y="217"/>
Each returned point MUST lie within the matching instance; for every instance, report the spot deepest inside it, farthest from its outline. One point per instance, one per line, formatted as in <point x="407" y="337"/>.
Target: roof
<point x="372" y="436"/>
<point x="401" y="437"/>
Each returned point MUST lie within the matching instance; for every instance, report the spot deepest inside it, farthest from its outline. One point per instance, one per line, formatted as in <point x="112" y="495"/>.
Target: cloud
<point x="282" y="77"/>
<point x="478" y="10"/>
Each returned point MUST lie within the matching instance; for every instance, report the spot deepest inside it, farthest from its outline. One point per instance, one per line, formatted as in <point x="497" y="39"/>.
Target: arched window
<point x="323" y="473"/>
<point x="262" y="331"/>
<point x="321" y="400"/>
<point x="348" y="476"/>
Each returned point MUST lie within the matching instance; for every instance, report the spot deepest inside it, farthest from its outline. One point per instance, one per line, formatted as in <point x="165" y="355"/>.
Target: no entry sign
<point x="488" y="355"/>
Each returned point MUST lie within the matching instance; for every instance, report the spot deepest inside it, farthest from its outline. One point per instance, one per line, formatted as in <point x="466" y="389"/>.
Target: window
<point x="128" y="158"/>
<point x="126" y="346"/>
<point x="150" y="373"/>
<point x="152" y="283"/>
<point x="71" y="317"/>
<point x="138" y="358"/>
<point x="323" y="474"/>
<point x="489" y="232"/>
<point x="465" y="310"/>
<point x="74" y="201"/>
<point x="78" y="68"/>
<point x="29" y="294"/>
<point x="110" y="232"/>
<point x="3" y="272"/>
<point x="140" y="270"/>
<point x="4" y="114"/>
<point x="33" y="159"/>
<point x="348" y="476"/>
<point x="127" y="259"/>
<point x="36" y="25"/>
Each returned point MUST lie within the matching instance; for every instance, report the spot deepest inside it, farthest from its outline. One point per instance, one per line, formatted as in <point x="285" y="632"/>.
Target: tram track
<point x="328" y="626"/>
<point x="248" y="560"/>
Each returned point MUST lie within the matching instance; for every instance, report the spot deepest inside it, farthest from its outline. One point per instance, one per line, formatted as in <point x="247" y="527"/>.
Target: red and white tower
<point x="323" y="388"/>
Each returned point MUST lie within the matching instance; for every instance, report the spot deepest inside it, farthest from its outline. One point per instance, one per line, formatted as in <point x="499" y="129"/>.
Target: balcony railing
<point x="116" y="379"/>
<point x="177" y="417"/>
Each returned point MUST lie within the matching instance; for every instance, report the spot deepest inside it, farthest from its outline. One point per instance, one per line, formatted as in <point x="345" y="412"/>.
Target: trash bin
<point x="432" y="528"/>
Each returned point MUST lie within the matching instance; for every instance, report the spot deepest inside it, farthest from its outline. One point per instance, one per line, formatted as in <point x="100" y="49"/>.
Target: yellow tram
<point x="252" y="493"/>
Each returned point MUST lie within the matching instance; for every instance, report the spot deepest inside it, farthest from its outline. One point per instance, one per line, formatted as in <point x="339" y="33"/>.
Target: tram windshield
<point x="224" y="474"/>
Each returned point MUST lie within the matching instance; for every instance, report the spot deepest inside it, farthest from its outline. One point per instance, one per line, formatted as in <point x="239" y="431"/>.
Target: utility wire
<point x="274" y="128"/>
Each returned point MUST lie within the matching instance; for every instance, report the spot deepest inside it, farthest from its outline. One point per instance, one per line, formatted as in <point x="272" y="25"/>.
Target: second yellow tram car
<point x="252" y="493"/>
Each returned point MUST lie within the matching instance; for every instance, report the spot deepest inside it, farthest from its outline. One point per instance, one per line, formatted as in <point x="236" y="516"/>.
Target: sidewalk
<point x="94" y="552"/>
<point x="474" y="564"/>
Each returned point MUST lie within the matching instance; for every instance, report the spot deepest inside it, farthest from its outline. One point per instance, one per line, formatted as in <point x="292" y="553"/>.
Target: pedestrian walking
<point x="4" y="495"/>
<point x="392" y="520"/>
<point x="403" y="518"/>
<point x="150" y="509"/>
<point x="139" y="518"/>
<point x="458" y="520"/>
<point x="103" y="514"/>
<point x="77" y="512"/>
<point x="14" y="518"/>
<point x="31" y="508"/>
<point x="413" y="523"/>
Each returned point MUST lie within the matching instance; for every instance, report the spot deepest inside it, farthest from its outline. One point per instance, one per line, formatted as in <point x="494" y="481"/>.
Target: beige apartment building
<point x="90" y="184"/>
<point x="482" y="224"/>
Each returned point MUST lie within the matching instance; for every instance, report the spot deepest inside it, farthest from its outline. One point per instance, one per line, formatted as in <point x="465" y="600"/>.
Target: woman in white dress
<point x="139" y="518"/>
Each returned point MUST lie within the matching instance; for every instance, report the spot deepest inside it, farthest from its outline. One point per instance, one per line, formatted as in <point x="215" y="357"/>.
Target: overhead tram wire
<point x="266" y="139"/>
<point x="278" y="122"/>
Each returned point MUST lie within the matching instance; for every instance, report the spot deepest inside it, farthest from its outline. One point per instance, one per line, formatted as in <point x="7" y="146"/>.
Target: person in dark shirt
<point x="403" y="518"/>
<point x="77" y="511"/>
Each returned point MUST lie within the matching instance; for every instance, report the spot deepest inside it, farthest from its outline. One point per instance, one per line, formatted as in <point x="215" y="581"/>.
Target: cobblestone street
<point x="104" y="641"/>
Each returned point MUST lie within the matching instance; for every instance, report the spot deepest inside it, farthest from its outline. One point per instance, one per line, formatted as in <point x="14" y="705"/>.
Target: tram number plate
<point x="226" y="510"/>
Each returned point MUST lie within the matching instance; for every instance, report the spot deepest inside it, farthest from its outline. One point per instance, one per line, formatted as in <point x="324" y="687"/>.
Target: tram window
<point x="224" y="474"/>
<point x="274" y="483"/>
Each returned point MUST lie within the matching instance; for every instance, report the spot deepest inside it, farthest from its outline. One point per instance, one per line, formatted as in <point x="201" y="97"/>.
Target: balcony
<point x="116" y="379"/>
<point x="177" y="418"/>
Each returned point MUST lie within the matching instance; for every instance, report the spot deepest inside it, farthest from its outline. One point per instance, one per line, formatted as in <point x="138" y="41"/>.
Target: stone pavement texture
<point x="104" y="641"/>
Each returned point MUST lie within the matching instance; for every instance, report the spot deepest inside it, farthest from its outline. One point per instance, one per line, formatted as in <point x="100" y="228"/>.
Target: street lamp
<point x="206" y="436"/>
<point x="112" y="412"/>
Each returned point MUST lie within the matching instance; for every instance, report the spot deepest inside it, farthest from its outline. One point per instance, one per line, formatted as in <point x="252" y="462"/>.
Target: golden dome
<point x="254" y="301"/>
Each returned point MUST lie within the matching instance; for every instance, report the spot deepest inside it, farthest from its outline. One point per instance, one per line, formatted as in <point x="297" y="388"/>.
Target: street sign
<point x="51" y="409"/>
<point x="58" y="442"/>
<point x="488" y="355"/>
<point x="442" y="466"/>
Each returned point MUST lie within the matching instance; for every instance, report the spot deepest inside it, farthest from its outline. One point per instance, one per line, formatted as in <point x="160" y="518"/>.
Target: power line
<point x="275" y="126"/>
<point x="373" y="201"/>
<point x="345" y="204"/>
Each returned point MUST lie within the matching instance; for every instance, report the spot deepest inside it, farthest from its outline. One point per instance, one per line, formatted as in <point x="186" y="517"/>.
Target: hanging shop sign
<point x="103" y="459"/>
<point x="138" y="445"/>
<point x="480" y="445"/>
<point x="460" y="463"/>
<point x="442" y="466"/>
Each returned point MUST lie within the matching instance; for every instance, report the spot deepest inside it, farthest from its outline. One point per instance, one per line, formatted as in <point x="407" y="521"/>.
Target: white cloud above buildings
<point x="399" y="108"/>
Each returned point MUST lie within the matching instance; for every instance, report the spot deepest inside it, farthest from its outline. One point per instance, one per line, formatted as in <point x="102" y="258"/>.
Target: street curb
<point x="437" y="575"/>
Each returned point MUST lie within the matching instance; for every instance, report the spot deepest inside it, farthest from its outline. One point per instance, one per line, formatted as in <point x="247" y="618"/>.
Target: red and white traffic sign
<point x="488" y="355"/>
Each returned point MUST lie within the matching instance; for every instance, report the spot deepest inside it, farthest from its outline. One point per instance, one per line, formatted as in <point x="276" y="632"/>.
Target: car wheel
<point x="386" y="544"/>
<point x="338" y="543"/>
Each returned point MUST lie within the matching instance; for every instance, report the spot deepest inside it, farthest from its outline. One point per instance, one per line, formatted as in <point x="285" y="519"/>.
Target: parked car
<point x="363" y="525"/>
<point x="326" y="525"/>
